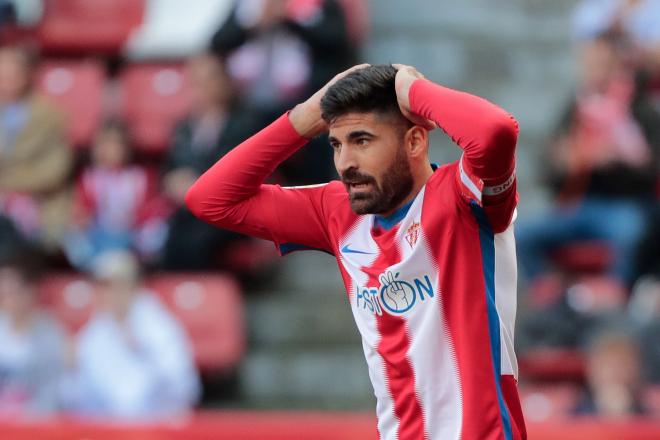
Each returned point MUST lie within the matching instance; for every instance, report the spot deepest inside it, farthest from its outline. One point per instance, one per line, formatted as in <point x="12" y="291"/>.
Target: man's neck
<point x="420" y="178"/>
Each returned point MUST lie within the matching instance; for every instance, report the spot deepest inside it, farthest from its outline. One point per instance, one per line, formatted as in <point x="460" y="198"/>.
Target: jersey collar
<point x="391" y="220"/>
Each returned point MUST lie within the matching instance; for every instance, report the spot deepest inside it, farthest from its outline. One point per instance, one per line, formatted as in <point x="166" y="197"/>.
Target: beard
<point x="396" y="185"/>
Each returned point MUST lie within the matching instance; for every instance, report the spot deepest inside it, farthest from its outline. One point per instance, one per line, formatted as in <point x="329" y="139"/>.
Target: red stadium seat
<point x="77" y="87"/>
<point x="154" y="97"/>
<point x="85" y="26"/>
<point x="651" y="399"/>
<point x="70" y="298"/>
<point x="584" y="256"/>
<point x="548" y="364"/>
<point x="210" y="307"/>
<point x="597" y="294"/>
<point x="548" y="401"/>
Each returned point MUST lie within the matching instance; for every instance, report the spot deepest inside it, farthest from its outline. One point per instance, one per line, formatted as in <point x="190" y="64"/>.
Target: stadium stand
<point x="209" y="306"/>
<point x="81" y="26"/>
<point x="163" y="35"/>
<point x="77" y="88"/>
<point x="70" y="297"/>
<point x="154" y="97"/>
<point x="546" y="402"/>
<point x="583" y="256"/>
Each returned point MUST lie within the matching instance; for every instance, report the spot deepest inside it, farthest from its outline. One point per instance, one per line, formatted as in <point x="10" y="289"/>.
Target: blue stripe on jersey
<point x="487" y="239"/>
<point x="391" y="220"/>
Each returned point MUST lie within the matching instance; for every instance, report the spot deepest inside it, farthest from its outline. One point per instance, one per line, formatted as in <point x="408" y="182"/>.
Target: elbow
<point x="194" y="201"/>
<point x="207" y="207"/>
<point x="503" y="135"/>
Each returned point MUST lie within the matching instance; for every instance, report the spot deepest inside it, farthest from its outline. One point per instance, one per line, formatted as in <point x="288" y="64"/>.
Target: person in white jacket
<point x="133" y="359"/>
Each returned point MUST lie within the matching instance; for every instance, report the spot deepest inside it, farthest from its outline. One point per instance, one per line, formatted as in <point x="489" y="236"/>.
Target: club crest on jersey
<point x="412" y="234"/>
<point x="395" y="296"/>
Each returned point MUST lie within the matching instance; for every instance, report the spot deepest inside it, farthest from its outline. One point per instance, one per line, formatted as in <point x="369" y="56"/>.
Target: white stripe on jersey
<point x="426" y="328"/>
<point x="505" y="296"/>
<point x="316" y="185"/>
<point x="468" y="182"/>
<point x="357" y="239"/>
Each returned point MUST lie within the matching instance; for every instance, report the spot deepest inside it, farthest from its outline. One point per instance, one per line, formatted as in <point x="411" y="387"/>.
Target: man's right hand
<point x="306" y="117"/>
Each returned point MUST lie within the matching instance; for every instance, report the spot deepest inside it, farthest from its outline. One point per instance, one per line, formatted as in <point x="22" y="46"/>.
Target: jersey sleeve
<point x="232" y="195"/>
<point x="487" y="135"/>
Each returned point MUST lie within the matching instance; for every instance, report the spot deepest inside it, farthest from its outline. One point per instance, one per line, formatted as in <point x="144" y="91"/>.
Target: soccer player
<point x="426" y="252"/>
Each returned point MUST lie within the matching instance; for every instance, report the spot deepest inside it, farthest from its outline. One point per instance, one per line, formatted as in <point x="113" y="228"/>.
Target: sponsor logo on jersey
<point x="395" y="296"/>
<point x="348" y="250"/>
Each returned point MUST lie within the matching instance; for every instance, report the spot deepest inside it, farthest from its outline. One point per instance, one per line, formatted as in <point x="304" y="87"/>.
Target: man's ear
<point x="417" y="141"/>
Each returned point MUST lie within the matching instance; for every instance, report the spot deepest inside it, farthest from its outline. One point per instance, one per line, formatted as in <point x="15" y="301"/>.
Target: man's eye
<point x="335" y="145"/>
<point x="363" y="142"/>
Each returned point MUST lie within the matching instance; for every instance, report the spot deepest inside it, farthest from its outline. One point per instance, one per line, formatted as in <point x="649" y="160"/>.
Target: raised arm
<point x="486" y="133"/>
<point x="231" y="194"/>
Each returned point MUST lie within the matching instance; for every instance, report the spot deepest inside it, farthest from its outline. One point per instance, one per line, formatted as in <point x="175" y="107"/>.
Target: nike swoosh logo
<point x="347" y="250"/>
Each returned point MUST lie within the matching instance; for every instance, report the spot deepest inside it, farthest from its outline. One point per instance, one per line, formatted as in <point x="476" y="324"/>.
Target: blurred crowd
<point x="591" y="261"/>
<point x="110" y="207"/>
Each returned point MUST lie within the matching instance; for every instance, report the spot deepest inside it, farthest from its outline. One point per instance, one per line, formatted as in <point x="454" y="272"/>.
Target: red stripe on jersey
<point x="394" y="345"/>
<point x="466" y="317"/>
<point x="393" y="348"/>
<point x="512" y="400"/>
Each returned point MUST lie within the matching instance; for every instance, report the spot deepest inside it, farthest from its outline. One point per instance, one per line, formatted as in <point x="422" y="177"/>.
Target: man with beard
<point x="426" y="253"/>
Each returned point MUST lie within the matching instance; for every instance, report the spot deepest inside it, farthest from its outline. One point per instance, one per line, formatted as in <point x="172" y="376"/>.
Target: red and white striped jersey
<point x="432" y="287"/>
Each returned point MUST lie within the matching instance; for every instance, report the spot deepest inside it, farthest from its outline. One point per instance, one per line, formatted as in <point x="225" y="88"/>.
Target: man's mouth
<point x="358" y="186"/>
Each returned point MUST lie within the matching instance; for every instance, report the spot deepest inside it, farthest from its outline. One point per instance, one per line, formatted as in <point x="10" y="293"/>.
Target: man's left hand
<point x="405" y="77"/>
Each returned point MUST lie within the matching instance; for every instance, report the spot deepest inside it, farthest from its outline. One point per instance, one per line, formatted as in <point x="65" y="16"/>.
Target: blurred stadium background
<point x="134" y="108"/>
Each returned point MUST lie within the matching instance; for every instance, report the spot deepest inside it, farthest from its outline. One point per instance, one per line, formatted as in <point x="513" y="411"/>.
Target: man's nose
<point x="345" y="160"/>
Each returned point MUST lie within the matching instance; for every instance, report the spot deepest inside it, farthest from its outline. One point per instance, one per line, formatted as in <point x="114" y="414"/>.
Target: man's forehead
<point x="354" y="120"/>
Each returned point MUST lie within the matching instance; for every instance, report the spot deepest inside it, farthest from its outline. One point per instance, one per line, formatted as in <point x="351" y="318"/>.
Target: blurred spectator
<point x="215" y="125"/>
<point x="117" y="204"/>
<point x="35" y="161"/>
<point x="133" y="358"/>
<point x="601" y="166"/>
<point x="644" y="310"/>
<point x="614" y="376"/>
<point x="26" y="12"/>
<point x="7" y="13"/>
<point x="10" y="238"/>
<point x="32" y="344"/>
<point x="279" y="52"/>
<point x="639" y="19"/>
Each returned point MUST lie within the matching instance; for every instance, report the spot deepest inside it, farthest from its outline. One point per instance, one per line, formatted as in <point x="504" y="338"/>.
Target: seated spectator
<point x="11" y="239"/>
<point x="281" y="51"/>
<point x="637" y="21"/>
<point x="133" y="358"/>
<point x="601" y="166"/>
<point x="278" y="53"/>
<point x="117" y="204"/>
<point x="614" y="376"/>
<point x="32" y="345"/>
<point x="215" y="125"/>
<point x="7" y="13"/>
<point x="35" y="160"/>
